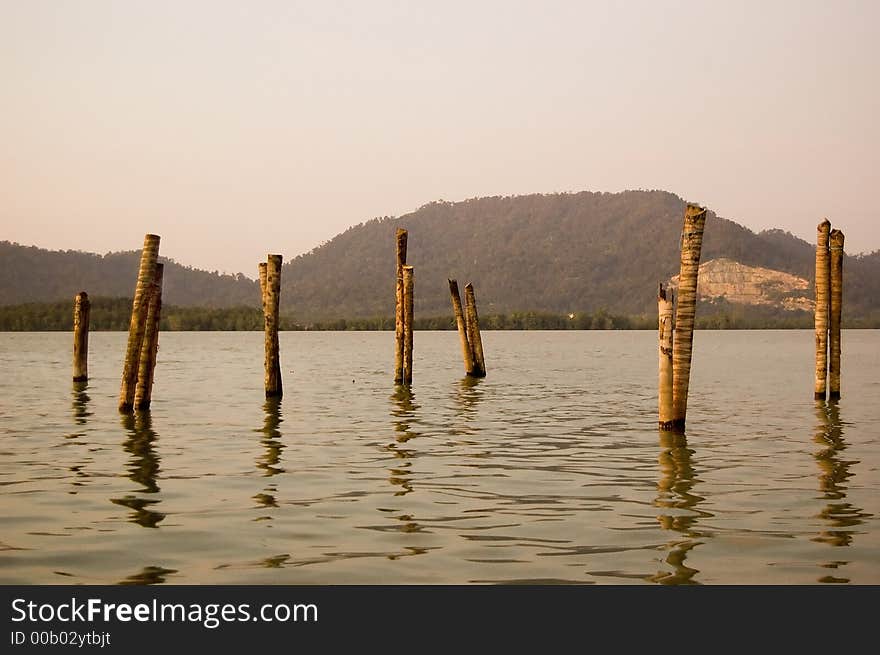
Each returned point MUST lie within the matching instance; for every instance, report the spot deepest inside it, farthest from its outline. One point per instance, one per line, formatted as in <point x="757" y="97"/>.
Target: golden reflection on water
<point x="269" y="462"/>
<point x="676" y="493"/>
<point x="834" y="472"/>
<point x="142" y="468"/>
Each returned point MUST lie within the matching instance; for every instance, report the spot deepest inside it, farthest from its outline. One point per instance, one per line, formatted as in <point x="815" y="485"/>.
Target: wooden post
<point x="472" y="321"/>
<point x="146" y="273"/>
<point x="399" y="312"/>
<point x="408" y="324"/>
<point x="273" y="292"/>
<point x="664" y="312"/>
<point x="823" y="291"/>
<point x="466" y="352"/>
<point x="835" y="246"/>
<point x="262" y="268"/>
<point x="81" y="312"/>
<point x="144" y="393"/>
<point x="691" y="246"/>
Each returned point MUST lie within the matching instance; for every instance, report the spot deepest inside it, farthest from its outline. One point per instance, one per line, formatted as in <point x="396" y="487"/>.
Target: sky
<point x="234" y="129"/>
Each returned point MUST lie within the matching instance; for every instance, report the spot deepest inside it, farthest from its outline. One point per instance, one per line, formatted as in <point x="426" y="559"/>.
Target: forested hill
<point x="30" y="274"/>
<point x="558" y="253"/>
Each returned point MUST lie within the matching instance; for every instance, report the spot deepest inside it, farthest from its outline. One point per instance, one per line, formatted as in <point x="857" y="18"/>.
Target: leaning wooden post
<point x="835" y="246"/>
<point x="399" y="312"/>
<point x="408" y="324"/>
<point x="146" y="273"/>
<point x="273" y="362"/>
<point x="144" y="393"/>
<point x="823" y="291"/>
<point x="682" y="348"/>
<point x="466" y="352"/>
<point x="81" y="312"/>
<point x="664" y="312"/>
<point x="472" y="321"/>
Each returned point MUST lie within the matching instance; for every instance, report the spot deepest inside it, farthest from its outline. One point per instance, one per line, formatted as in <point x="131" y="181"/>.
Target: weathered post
<point x="399" y="313"/>
<point x="273" y="293"/>
<point x="472" y="321"/>
<point x="823" y="291"/>
<point x="81" y="312"/>
<point x="835" y="246"/>
<point x="664" y="312"/>
<point x="262" y="268"/>
<point x="691" y="246"/>
<point x="146" y="274"/>
<point x="466" y="352"/>
<point x="146" y="368"/>
<point x="408" y="324"/>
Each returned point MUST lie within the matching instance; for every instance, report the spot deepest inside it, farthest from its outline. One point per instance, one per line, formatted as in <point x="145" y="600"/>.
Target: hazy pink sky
<point x="237" y="128"/>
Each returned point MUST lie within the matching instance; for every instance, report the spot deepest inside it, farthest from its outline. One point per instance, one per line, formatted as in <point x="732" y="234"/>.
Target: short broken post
<point x="682" y="349"/>
<point x="146" y="274"/>
<point x="408" y="324"/>
<point x="147" y="367"/>
<point x="273" y="361"/>
<point x="466" y="352"/>
<point x="475" y="340"/>
<point x="664" y="312"/>
<point x="835" y="247"/>
<point x="399" y="312"/>
<point x="81" y="313"/>
<point x="823" y="292"/>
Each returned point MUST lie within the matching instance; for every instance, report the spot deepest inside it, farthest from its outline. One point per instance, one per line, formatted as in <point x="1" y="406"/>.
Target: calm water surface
<point x="549" y="470"/>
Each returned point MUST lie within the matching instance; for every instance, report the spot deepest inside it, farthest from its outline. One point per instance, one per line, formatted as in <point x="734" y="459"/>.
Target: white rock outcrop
<point x="751" y="285"/>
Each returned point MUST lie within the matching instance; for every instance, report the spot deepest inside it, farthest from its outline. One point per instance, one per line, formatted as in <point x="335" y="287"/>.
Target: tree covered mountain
<point x="31" y="274"/>
<point x="559" y="253"/>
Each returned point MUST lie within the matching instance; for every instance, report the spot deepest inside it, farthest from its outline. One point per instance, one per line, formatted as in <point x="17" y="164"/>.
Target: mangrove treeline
<point x="115" y="314"/>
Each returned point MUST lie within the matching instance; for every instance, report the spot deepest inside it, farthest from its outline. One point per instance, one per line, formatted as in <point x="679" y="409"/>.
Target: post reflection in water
<point x="403" y="414"/>
<point x="834" y="472"/>
<point x="80" y="402"/>
<point x="270" y="460"/>
<point x="468" y="395"/>
<point x="676" y="494"/>
<point x="80" y="405"/>
<point x="148" y="575"/>
<point x="142" y="468"/>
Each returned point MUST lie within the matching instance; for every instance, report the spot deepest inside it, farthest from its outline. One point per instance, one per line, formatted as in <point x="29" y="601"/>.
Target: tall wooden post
<point x="81" y="314"/>
<point x="144" y="393"/>
<point x="823" y="292"/>
<point x="466" y="352"/>
<point x="399" y="312"/>
<point x="146" y="274"/>
<point x="408" y="324"/>
<point x="262" y="268"/>
<point x="835" y="246"/>
<point x="664" y="312"/>
<point x="273" y="295"/>
<point x="475" y="340"/>
<point x="691" y="246"/>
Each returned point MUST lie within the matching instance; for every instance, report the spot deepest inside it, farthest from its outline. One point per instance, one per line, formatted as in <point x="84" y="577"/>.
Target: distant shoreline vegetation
<point x="113" y="314"/>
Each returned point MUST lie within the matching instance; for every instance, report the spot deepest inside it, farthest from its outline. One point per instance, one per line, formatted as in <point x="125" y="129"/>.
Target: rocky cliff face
<point x="751" y="285"/>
